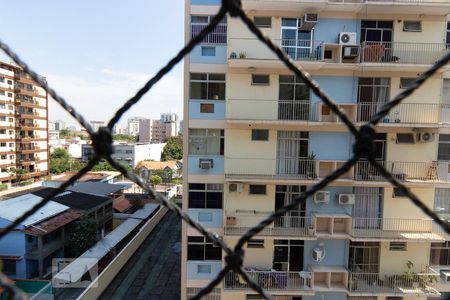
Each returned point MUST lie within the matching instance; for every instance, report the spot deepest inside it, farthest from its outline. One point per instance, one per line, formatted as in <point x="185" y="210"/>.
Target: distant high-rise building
<point x="157" y="131"/>
<point x="97" y="124"/>
<point x="133" y="125"/>
<point x="60" y="125"/>
<point x="169" y="117"/>
<point x="23" y="125"/>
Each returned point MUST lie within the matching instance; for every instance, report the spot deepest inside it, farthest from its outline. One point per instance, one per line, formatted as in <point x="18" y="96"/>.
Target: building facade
<point x="133" y="125"/>
<point x="256" y="137"/>
<point x="23" y="125"/>
<point x="157" y="131"/>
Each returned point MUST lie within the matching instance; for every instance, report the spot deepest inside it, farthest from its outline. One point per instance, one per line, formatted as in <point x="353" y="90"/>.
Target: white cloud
<point x="98" y="97"/>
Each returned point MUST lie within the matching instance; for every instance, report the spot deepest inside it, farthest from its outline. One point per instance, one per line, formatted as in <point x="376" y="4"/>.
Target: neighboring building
<point x="53" y="135"/>
<point x="120" y="129"/>
<point x="256" y="137"/>
<point x="72" y="145"/>
<point x="168" y="169"/>
<point x="51" y="125"/>
<point x="103" y="176"/>
<point x="27" y="252"/>
<point x="133" y="125"/>
<point x="157" y="131"/>
<point x="169" y="118"/>
<point x="91" y="206"/>
<point x="60" y="125"/>
<point x="130" y="154"/>
<point x="23" y="125"/>
<point x="97" y="124"/>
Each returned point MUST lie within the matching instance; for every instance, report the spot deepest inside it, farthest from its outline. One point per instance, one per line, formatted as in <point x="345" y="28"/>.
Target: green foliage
<point x="25" y="182"/>
<point x="173" y="150"/>
<point x="60" y="153"/>
<point x="124" y="137"/>
<point x="81" y="236"/>
<point x="105" y="166"/>
<point x="3" y="186"/>
<point x="155" y="179"/>
<point x="61" y="161"/>
<point x="177" y="181"/>
<point x="65" y="133"/>
<point x="19" y="173"/>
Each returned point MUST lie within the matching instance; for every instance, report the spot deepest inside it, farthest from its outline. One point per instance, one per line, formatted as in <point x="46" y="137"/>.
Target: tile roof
<point x="122" y="205"/>
<point x="54" y="223"/>
<point x="158" y="165"/>
<point x="90" y="176"/>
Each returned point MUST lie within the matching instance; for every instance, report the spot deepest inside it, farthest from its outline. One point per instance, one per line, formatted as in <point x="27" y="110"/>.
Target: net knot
<point x="235" y="259"/>
<point x="102" y="142"/>
<point x="232" y="6"/>
<point x="364" y="147"/>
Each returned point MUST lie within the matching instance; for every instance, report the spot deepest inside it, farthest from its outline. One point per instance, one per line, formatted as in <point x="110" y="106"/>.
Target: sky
<point x="97" y="54"/>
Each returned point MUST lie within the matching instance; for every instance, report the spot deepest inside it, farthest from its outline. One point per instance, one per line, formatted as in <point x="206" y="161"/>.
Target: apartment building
<point x="133" y="125"/>
<point x="157" y="131"/>
<point x="23" y="125"/>
<point x="256" y="137"/>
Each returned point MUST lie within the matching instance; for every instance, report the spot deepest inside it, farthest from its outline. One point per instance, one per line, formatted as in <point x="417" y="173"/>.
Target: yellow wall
<point x="394" y="262"/>
<point x="418" y="152"/>
<point x="429" y="92"/>
<point x="260" y="258"/>
<point x="432" y="32"/>
<point x="239" y="87"/>
<point x="402" y="207"/>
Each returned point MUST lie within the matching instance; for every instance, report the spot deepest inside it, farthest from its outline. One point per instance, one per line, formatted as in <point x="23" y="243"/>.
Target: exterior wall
<point x="245" y="201"/>
<point x="333" y="207"/>
<point x="418" y="152"/>
<point x="193" y="269"/>
<point x="220" y="56"/>
<point x="327" y="30"/>
<point x="13" y="244"/>
<point x="432" y="32"/>
<point x="260" y="258"/>
<point x="328" y="296"/>
<point x="331" y="145"/>
<point x="215" y="215"/>
<point x="394" y="262"/>
<point x="219" y="110"/>
<point x="336" y="253"/>
<point x="194" y="161"/>
<point x="402" y="207"/>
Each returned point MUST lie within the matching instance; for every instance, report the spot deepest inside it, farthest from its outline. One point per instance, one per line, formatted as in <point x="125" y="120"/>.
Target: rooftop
<point x="98" y="188"/>
<point x="158" y="165"/>
<point x="90" y="176"/>
<point x="54" y="223"/>
<point x="13" y="208"/>
<point x="76" y="200"/>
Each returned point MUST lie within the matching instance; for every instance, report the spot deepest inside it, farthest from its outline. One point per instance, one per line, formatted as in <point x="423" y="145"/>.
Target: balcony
<point x="375" y="229"/>
<point x="306" y="170"/>
<point x="250" y="52"/>
<point x="271" y="281"/>
<point x="420" y="284"/>
<point x="217" y="37"/>
<point x="289" y="226"/>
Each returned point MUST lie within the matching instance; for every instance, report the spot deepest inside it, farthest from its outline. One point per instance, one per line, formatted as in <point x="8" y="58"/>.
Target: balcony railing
<point x="403" y="171"/>
<point x="271" y="281"/>
<point x="217" y="36"/>
<point x="282" y="226"/>
<point x="388" y="228"/>
<point x="402" y="284"/>
<point x="403" y="53"/>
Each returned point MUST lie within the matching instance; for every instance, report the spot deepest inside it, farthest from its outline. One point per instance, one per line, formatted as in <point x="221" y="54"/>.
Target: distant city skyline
<point x="85" y="63"/>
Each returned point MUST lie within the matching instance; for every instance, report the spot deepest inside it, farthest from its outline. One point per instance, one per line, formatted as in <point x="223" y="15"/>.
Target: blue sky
<point x="97" y="54"/>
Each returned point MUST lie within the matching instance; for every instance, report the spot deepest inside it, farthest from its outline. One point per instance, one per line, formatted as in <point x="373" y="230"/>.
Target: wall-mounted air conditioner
<point x="235" y="187"/>
<point x="347" y="38"/>
<point x="425" y="137"/>
<point x="309" y="21"/>
<point x="345" y="199"/>
<point x="205" y="164"/>
<point x="350" y="51"/>
<point x="322" y="197"/>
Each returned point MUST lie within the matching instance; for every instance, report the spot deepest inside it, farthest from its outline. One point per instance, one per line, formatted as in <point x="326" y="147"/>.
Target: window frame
<point x="257" y="21"/>
<point x="398" y="246"/>
<point x="260" y="135"/>
<point x="204" y="245"/>
<point x="205" y="82"/>
<point x="209" y="189"/>
<point x="412" y="23"/>
<point x="204" y="106"/>
<point x="259" y="79"/>
<point x="206" y="139"/>
<point x="253" y="189"/>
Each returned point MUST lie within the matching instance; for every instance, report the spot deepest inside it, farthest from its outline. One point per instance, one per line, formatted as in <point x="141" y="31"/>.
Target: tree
<point x="60" y="153"/>
<point x="65" y="133"/>
<point x="173" y="150"/>
<point x="105" y="166"/>
<point x="155" y="179"/>
<point x="20" y="173"/>
<point x="124" y="137"/>
<point x="81" y="236"/>
<point x="61" y="161"/>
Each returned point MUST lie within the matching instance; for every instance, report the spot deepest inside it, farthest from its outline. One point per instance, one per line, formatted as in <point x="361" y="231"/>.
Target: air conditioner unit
<point x="345" y="199"/>
<point x="445" y="275"/>
<point x="347" y="38"/>
<point x="322" y="197"/>
<point x="235" y="187"/>
<point x="350" y="51"/>
<point x="426" y="137"/>
<point x="205" y="164"/>
<point x="318" y="254"/>
<point x="308" y="22"/>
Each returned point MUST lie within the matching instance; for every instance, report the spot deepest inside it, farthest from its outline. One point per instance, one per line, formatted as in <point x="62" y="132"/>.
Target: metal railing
<point x="403" y="171"/>
<point x="271" y="280"/>
<point x="403" y="53"/>
<point x="393" y="228"/>
<point x="413" y="113"/>
<point x="283" y="226"/>
<point x="217" y="36"/>
<point x="414" y="283"/>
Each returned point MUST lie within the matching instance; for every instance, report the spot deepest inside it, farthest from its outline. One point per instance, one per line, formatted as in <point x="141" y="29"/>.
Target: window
<point x="10" y="95"/>
<point x="398" y="193"/>
<point x="205" y="195"/>
<point x="406" y="82"/>
<point x="260" y="79"/>
<point x="206" y="142"/>
<point x="442" y="203"/>
<point x="207" y="86"/>
<point x="257" y="189"/>
<point x="2" y="93"/>
<point x="2" y="156"/>
<point x="262" y="22"/>
<point x="204" y="269"/>
<point x="293" y="99"/>
<point x="9" y="266"/>
<point x="205" y="217"/>
<point x="254" y="243"/>
<point x="217" y="36"/>
<point x="440" y="254"/>
<point x="298" y="44"/>
<point x="9" y="82"/>
<point x="376" y="31"/>
<point x="364" y="257"/>
<point x="2" y="118"/>
<point x="2" y="79"/>
<point x="405" y="138"/>
<point x="201" y="248"/>
<point x="2" y="144"/>
<point x="208" y="51"/>
<point x="412" y="26"/>
<point x="444" y="147"/>
<point x="260" y="134"/>
<point x="397" y="246"/>
<point x="206" y="108"/>
<point x="2" y="131"/>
